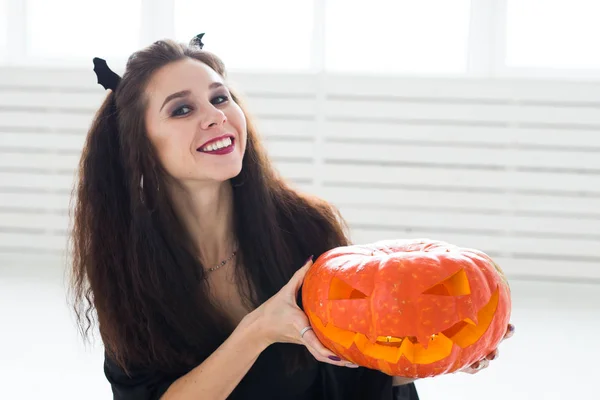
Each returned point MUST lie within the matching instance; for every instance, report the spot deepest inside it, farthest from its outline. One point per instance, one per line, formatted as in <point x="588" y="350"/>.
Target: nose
<point x="213" y="117"/>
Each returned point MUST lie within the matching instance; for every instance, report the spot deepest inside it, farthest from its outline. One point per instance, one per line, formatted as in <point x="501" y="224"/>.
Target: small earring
<point x="142" y="184"/>
<point x="237" y="184"/>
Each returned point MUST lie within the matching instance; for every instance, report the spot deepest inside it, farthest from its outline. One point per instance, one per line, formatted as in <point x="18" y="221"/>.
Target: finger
<point x="476" y="367"/>
<point x="310" y="339"/>
<point x="510" y="331"/>
<point x="471" y="369"/>
<point x="493" y="355"/>
<point x="333" y="360"/>
<point x="322" y="359"/>
<point x="484" y="364"/>
<point x="298" y="277"/>
<point x="321" y="352"/>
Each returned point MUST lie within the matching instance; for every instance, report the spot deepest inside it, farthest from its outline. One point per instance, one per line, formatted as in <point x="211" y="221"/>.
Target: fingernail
<point x="493" y="357"/>
<point x="335" y="358"/>
<point x="308" y="259"/>
<point x="511" y="328"/>
<point x="351" y="365"/>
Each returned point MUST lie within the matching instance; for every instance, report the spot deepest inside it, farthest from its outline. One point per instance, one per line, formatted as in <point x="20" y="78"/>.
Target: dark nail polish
<point x="308" y="259"/>
<point x="335" y="358"/>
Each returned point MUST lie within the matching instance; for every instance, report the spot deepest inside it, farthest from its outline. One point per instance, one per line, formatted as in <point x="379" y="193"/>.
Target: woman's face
<point x="197" y="130"/>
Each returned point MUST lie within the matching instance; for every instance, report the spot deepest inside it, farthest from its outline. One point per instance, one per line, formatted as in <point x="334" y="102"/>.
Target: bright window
<point x="250" y="34"/>
<point x="77" y="30"/>
<point x="401" y="36"/>
<point x="3" y="29"/>
<point x="553" y="34"/>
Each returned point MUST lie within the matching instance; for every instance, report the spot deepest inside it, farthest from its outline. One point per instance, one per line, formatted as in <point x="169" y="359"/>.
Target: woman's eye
<point x="220" y="99"/>
<point x="181" y="111"/>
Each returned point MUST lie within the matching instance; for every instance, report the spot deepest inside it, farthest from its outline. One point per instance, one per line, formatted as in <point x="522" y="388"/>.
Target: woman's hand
<point x="281" y="320"/>
<point x="484" y="363"/>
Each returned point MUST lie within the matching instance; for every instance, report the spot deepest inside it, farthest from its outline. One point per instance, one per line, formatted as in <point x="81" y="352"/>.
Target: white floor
<point x="554" y="354"/>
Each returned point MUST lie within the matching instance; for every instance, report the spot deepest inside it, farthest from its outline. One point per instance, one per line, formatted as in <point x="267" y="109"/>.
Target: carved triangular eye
<point x="455" y="285"/>
<point x="340" y="290"/>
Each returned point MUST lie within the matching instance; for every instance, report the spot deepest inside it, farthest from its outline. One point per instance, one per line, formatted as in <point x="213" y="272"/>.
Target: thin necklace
<point x="216" y="267"/>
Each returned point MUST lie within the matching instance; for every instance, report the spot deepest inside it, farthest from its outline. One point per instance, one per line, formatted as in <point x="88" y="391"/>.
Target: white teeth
<point x="218" y="145"/>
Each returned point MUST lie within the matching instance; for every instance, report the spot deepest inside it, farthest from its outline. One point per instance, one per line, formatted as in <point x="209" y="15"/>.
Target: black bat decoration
<point x="107" y="78"/>
<point x="197" y="41"/>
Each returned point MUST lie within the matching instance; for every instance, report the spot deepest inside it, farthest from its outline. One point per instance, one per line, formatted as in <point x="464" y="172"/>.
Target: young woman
<point x="191" y="250"/>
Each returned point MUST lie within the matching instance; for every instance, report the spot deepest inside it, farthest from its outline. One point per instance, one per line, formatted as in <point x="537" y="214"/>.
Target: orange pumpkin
<point x="412" y="308"/>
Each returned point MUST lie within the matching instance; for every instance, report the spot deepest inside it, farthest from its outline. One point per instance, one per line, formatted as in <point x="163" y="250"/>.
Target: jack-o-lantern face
<point x="411" y="308"/>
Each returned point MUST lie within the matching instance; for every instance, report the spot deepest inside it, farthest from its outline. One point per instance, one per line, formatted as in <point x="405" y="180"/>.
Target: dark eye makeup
<point x="183" y="109"/>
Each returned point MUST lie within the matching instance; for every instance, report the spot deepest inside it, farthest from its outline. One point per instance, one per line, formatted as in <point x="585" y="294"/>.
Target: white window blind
<point x="3" y="28"/>
<point x="510" y="167"/>
<point x="258" y="34"/>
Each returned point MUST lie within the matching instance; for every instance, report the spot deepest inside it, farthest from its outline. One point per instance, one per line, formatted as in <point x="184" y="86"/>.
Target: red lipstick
<point x="219" y="145"/>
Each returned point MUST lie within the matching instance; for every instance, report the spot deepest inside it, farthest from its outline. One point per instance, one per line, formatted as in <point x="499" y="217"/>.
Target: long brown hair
<point x="134" y="266"/>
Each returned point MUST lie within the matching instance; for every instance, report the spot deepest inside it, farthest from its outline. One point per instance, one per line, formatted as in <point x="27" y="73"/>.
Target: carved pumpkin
<point x="412" y="308"/>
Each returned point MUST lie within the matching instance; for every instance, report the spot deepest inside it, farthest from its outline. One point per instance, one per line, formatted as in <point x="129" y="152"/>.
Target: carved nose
<point x="353" y="315"/>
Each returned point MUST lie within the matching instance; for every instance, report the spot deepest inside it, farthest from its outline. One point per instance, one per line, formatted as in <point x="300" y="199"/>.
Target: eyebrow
<point x="185" y="93"/>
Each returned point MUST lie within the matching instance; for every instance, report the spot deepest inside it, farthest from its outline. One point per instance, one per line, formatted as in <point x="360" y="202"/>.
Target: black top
<point x="266" y="380"/>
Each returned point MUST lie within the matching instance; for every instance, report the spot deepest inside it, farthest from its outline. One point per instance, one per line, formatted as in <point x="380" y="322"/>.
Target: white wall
<point x="511" y="167"/>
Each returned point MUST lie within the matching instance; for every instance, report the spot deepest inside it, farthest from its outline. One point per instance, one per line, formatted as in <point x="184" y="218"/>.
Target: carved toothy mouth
<point x="391" y="348"/>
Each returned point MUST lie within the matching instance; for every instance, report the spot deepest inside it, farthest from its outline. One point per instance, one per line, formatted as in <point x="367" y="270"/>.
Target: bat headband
<point x="110" y="80"/>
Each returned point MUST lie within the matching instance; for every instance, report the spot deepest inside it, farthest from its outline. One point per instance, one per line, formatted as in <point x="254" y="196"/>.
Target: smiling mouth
<point x="217" y="146"/>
